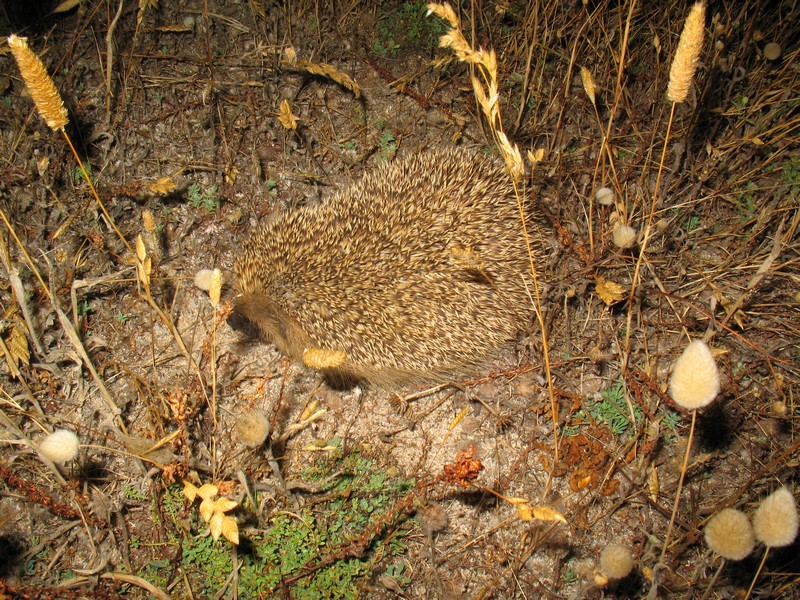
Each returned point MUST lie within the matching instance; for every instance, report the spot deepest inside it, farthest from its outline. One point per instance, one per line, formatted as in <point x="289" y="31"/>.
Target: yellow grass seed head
<point x="588" y="84"/>
<point x="41" y="87"/>
<point x="687" y="55"/>
<point x="730" y="534"/>
<point x="775" y="522"/>
<point x="61" y="446"/>
<point x="695" y="378"/>
<point x="616" y="561"/>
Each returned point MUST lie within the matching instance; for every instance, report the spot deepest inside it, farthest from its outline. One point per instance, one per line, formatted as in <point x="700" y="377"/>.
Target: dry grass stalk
<point x="687" y="55"/>
<point x="488" y="95"/>
<point x="41" y="87"/>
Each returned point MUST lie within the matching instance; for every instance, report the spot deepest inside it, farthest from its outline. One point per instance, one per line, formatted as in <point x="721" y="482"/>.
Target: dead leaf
<point x="609" y="291"/>
<point x="215" y="525"/>
<point x="161" y="186"/>
<point x="230" y="529"/>
<point x="207" y="510"/>
<point x="223" y="504"/>
<point x="286" y="117"/>
<point x="189" y="491"/>
<point x="207" y="491"/>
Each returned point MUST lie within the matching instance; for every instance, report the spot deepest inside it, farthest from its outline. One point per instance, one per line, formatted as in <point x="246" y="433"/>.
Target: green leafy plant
<point x="612" y="409"/>
<point x="203" y="198"/>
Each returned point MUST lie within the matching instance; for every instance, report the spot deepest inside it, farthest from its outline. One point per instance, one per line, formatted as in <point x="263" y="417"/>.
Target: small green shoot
<point x="200" y="198"/>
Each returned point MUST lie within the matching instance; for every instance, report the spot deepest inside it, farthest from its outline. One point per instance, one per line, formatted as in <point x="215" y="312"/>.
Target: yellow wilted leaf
<point x="286" y="117"/>
<point x="161" y="186"/>
<point x="207" y="491"/>
<point x="215" y="525"/>
<point x="207" y="510"/>
<point x="230" y="530"/>
<point x="609" y="291"/>
<point x="223" y="505"/>
<point x="190" y="491"/>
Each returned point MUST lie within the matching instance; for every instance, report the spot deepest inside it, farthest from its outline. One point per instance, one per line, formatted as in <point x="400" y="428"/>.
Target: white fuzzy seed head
<point x="61" y="446"/>
<point x="253" y="428"/>
<point x="695" y="378"/>
<point x="775" y="522"/>
<point x="616" y="561"/>
<point x="604" y="196"/>
<point x="730" y="534"/>
<point x="623" y="236"/>
<point x="202" y="279"/>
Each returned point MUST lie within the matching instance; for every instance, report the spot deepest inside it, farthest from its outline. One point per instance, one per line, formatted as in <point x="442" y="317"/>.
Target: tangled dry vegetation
<point x="641" y="438"/>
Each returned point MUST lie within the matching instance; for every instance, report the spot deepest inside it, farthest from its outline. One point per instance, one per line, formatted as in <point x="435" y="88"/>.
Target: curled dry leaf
<point x="161" y="186"/>
<point x="609" y="291"/>
<point x="287" y="118"/>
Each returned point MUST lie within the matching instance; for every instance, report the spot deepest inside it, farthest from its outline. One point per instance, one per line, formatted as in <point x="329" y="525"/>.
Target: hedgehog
<point x="419" y="271"/>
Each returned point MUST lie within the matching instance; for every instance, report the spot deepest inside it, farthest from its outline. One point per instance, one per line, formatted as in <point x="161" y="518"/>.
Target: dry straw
<point x="41" y="87"/>
<point x="687" y="55"/>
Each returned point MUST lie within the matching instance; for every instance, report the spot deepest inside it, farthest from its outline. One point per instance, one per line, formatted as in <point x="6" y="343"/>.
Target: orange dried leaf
<point x="161" y="186"/>
<point x="230" y="529"/>
<point x="189" y="491"/>
<point x="286" y="117"/>
<point x="207" y="491"/>
<point x="223" y="505"/>
<point x="609" y="291"/>
<point x="207" y="510"/>
<point x="215" y="525"/>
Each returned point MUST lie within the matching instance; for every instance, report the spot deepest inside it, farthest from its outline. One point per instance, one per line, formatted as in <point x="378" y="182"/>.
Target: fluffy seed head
<point x="772" y="51"/>
<point x="61" y="446"/>
<point x="604" y="196"/>
<point x="687" y="55"/>
<point x="775" y="522"/>
<point x="616" y="561"/>
<point x="623" y="236"/>
<point x="695" y="378"/>
<point x="730" y="534"/>
<point x="419" y="270"/>
<point x="41" y="87"/>
<point x="253" y="428"/>
<point x="202" y="279"/>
